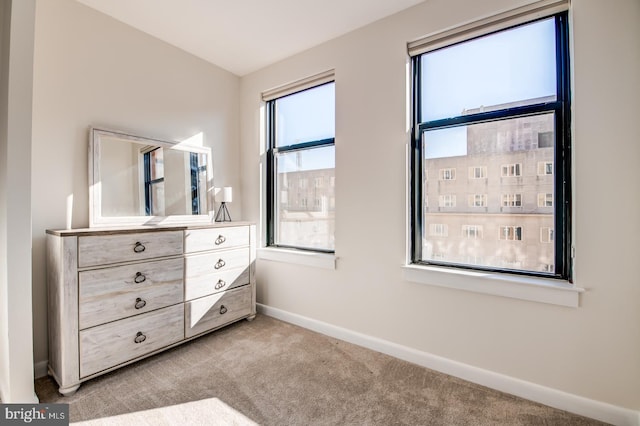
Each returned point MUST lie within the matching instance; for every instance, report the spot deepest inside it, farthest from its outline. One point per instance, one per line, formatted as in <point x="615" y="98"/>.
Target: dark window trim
<point x="148" y="182"/>
<point x="271" y="178"/>
<point x="196" y="169"/>
<point x="562" y="156"/>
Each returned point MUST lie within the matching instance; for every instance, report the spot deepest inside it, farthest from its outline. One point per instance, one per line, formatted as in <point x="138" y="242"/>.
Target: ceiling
<point x="243" y="36"/>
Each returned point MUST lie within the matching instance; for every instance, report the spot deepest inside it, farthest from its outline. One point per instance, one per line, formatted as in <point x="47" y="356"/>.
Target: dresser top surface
<point x="106" y="230"/>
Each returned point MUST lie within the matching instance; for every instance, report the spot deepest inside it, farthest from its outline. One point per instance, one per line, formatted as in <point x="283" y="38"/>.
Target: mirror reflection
<point x="140" y="177"/>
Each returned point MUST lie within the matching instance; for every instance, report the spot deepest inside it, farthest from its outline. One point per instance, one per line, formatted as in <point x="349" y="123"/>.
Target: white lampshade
<point x="223" y="195"/>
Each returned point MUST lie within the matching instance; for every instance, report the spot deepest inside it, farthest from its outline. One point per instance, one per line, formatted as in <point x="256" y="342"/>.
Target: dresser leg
<point x="69" y="390"/>
<point x="251" y="318"/>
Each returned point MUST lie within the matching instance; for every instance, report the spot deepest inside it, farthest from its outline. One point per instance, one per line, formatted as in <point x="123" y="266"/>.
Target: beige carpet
<point x="269" y="372"/>
<point x="209" y="411"/>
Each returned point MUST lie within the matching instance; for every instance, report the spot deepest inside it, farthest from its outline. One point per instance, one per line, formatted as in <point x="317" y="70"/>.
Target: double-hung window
<point x="300" y="160"/>
<point x="154" y="182"/>
<point x="494" y="97"/>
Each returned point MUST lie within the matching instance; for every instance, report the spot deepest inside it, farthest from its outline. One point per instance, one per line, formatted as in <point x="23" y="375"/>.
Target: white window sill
<point x="298" y="257"/>
<point x="544" y="290"/>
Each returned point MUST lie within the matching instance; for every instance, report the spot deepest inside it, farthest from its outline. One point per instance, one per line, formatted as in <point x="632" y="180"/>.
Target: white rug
<point x="210" y="411"/>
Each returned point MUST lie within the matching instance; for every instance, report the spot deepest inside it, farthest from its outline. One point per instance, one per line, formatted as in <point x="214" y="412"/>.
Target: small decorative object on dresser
<point x="117" y="295"/>
<point x="223" y="196"/>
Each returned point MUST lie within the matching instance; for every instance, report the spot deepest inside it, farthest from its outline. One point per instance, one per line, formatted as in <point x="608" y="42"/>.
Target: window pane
<point x="517" y="65"/>
<point x="305" y="199"/>
<point x="157" y="199"/>
<point x="157" y="163"/>
<point x="306" y="116"/>
<point x="500" y="225"/>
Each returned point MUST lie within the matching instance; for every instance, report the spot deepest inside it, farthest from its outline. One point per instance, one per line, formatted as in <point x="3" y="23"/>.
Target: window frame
<point x="271" y="170"/>
<point x="561" y="108"/>
<point x="149" y="183"/>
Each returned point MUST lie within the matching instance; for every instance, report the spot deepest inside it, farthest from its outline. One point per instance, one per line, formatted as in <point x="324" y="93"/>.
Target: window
<point x="198" y="164"/>
<point x="438" y="230"/>
<point x="300" y="159"/>
<point x="447" y="200"/>
<point x="545" y="200"/>
<point x="478" y="200"/>
<point x="447" y="174"/>
<point x="494" y="98"/>
<point x="510" y="233"/>
<point x="511" y="170"/>
<point x="477" y="172"/>
<point x="511" y="200"/>
<point x="154" y="182"/>
<point x="545" y="168"/>
<point x="546" y="235"/>
<point x="545" y="140"/>
<point x="473" y="232"/>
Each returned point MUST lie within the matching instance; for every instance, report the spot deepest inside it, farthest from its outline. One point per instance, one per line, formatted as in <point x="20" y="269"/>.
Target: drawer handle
<point x="220" y="284"/>
<point x="220" y="263"/>
<point x="221" y="239"/>
<point x="223" y="309"/>
<point x="139" y="247"/>
<point x="140" y="303"/>
<point x="140" y="337"/>
<point x="139" y="278"/>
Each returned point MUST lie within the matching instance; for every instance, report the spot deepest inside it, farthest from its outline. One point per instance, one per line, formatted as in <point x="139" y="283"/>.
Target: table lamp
<point x="223" y="196"/>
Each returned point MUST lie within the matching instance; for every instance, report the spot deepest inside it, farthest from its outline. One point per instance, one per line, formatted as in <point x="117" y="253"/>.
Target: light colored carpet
<point x="210" y="411"/>
<point x="273" y="373"/>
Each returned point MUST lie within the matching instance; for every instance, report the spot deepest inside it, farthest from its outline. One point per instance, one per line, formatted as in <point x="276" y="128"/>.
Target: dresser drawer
<point x="94" y="250"/>
<point x="206" y="284"/>
<point x="216" y="310"/>
<point x="215" y="238"/>
<point x="212" y="272"/>
<point x="111" y="344"/>
<point x="110" y="294"/>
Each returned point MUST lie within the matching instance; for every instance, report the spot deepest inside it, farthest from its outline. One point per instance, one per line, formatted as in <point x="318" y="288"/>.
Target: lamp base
<point x="223" y="214"/>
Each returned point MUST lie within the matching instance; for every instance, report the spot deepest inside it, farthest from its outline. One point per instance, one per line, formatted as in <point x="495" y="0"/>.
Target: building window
<point x="509" y="170"/>
<point x="478" y="200"/>
<point x="510" y="233"/>
<point x="198" y="166"/>
<point x="511" y="200"/>
<point x="301" y="147"/>
<point x="154" y="182"/>
<point x="545" y="140"/>
<point x="495" y="98"/>
<point x="447" y="200"/>
<point x="477" y="172"/>
<point x="438" y="230"/>
<point x="545" y="200"/>
<point x="546" y="235"/>
<point x="547" y="267"/>
<point x="447" y="174"/>
<point x="545" y="168"/>
<point x="473" y="232"/>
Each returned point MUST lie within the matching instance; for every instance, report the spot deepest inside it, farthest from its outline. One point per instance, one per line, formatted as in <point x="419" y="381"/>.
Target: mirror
<point x="135" y="180"/>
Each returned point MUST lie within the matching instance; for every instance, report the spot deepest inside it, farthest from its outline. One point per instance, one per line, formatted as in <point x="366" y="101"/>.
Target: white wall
<point x="16" y="346"/>
<point x="93" y="70"/>
<point x="592" y="351"/>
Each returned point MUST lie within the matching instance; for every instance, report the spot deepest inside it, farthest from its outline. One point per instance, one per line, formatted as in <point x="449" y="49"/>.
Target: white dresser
<point x="117" y="295"/>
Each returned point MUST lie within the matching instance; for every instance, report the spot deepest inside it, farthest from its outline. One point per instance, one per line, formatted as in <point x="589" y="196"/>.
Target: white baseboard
<point x="40" y="369"/>
<point x="544" y="395"/>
